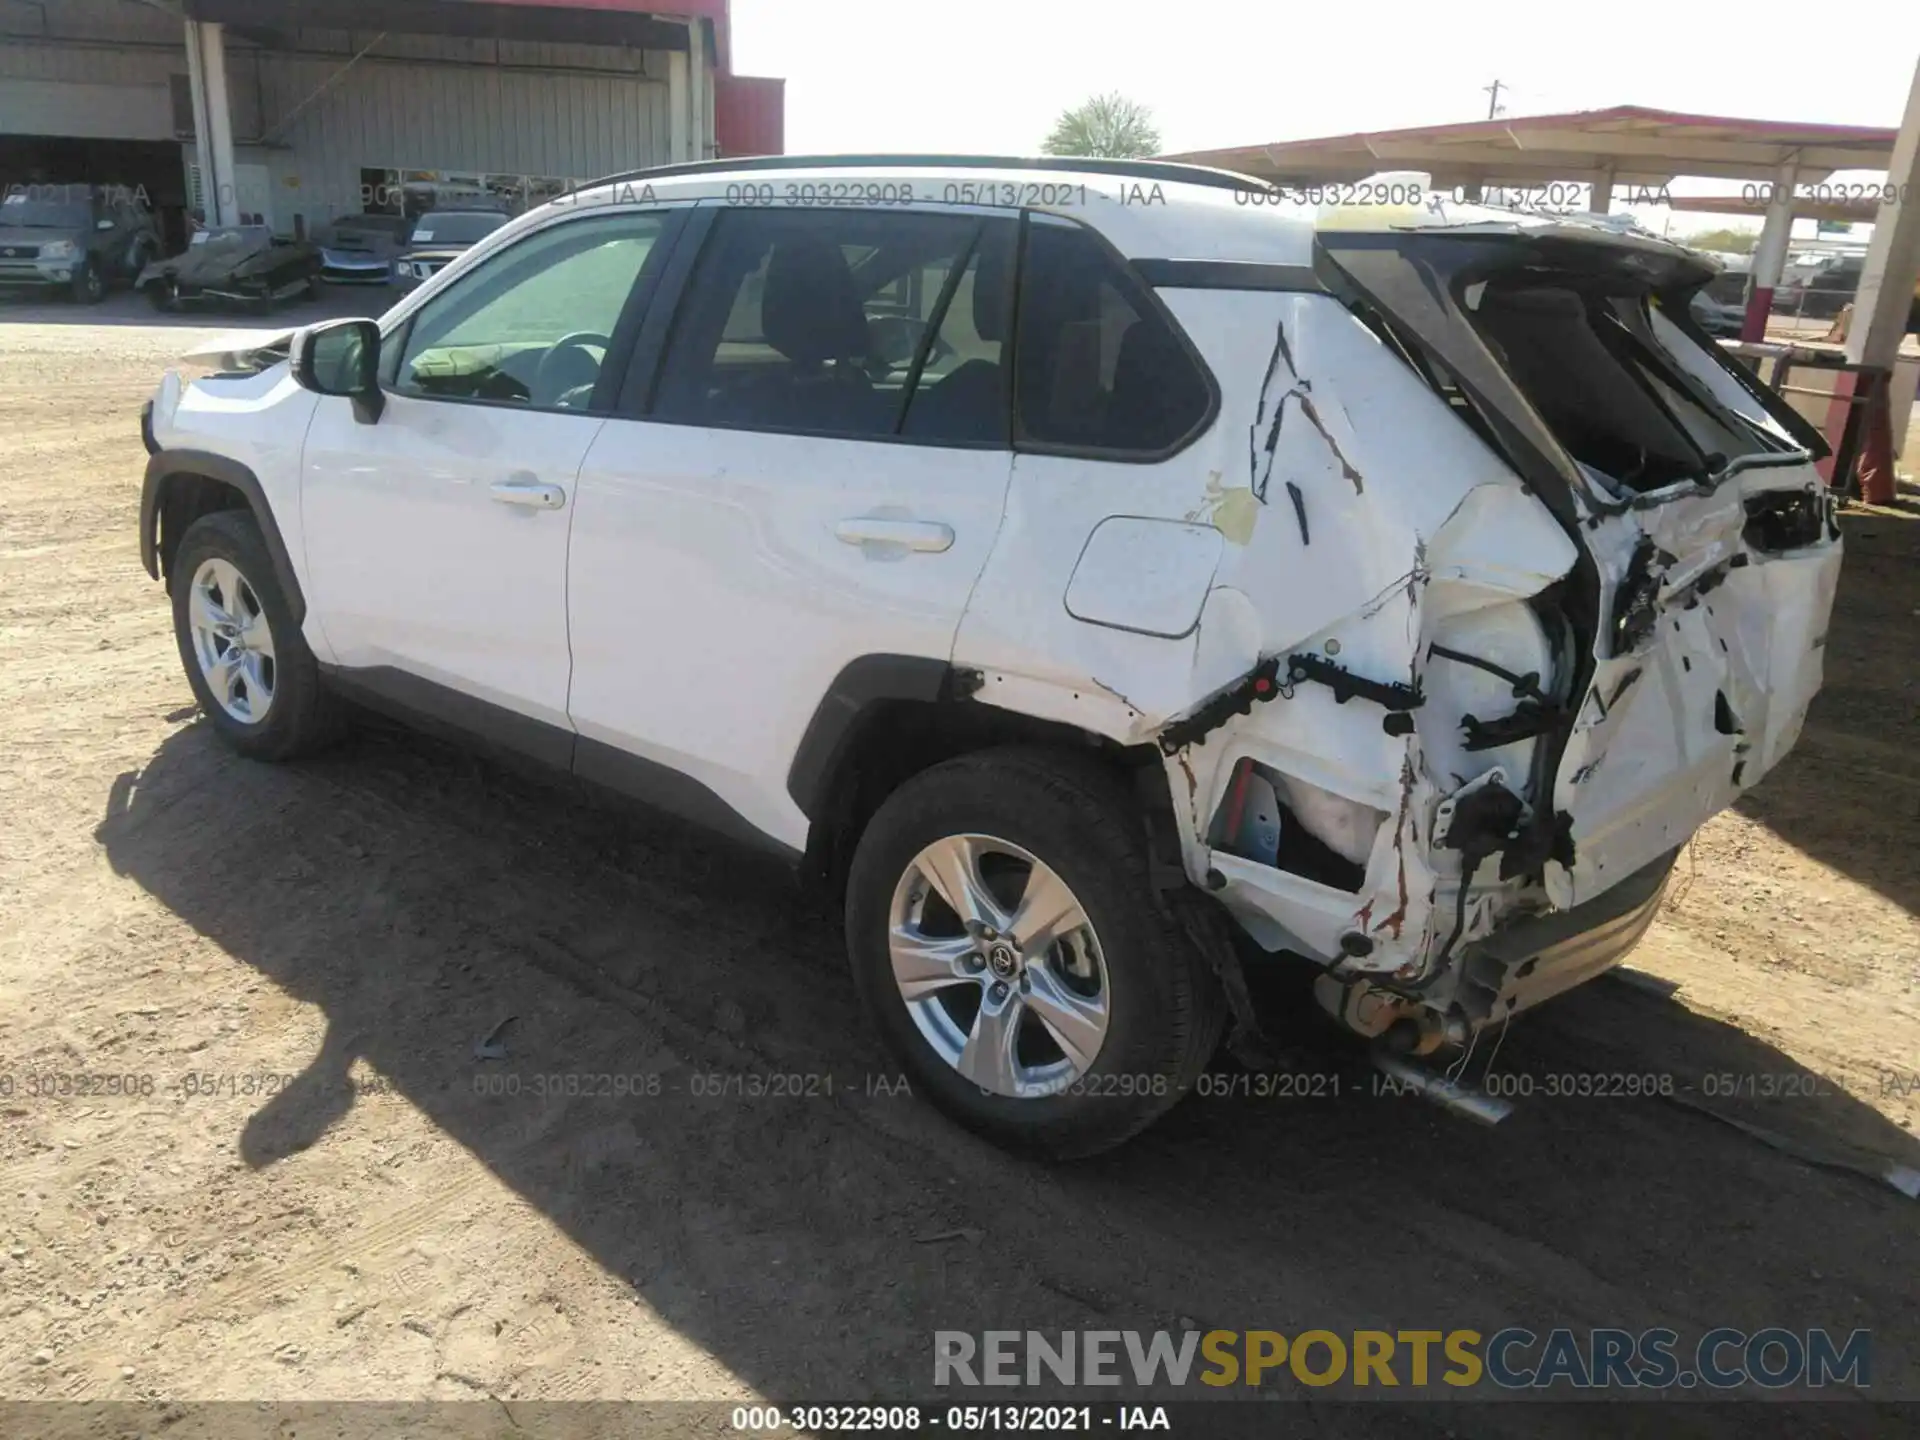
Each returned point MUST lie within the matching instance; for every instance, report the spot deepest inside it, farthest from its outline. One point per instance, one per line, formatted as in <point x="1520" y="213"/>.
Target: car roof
<point x="1146" y="208"/>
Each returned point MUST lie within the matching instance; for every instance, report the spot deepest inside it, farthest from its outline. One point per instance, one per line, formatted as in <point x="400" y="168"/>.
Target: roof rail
<point x="1168" y="171"/>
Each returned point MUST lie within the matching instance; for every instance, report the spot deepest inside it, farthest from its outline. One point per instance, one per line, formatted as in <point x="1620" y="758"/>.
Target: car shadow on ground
<point x="1849" y="794"/>
<point x="813" y="1241"/>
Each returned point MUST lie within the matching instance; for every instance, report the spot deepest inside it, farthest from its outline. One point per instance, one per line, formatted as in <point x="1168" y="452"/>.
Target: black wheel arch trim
<point x="861" y="683"/>
<point x="165" y="465"/>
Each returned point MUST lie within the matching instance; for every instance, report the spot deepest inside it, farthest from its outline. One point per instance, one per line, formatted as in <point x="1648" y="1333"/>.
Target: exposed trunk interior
<point x="1584" y="353"/>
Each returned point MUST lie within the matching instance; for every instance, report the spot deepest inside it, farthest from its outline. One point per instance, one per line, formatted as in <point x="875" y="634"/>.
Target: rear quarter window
<point x="1100" y="365"/>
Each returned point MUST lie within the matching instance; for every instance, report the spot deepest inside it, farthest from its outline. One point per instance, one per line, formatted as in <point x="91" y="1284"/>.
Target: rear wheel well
<point x="184" y="500"/>
<point x="891" y="741"/>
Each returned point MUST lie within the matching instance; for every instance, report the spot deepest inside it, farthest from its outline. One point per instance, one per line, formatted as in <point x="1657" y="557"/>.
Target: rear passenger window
<point x="858" y="323"/>
<point x="1100" y="366"/>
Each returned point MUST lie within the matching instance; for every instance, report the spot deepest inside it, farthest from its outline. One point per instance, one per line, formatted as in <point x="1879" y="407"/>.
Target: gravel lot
<point x="317" y="1191"/>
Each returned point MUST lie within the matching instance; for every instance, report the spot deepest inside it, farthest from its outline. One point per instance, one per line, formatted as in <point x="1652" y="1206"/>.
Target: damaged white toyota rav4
<point x="1073" y="563"/>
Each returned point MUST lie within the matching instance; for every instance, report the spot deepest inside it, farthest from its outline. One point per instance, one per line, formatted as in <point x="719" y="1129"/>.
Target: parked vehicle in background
<point x="237" y="265"/>
<point x="1829" y="290"/>
<point x="1721" y="319"/>
<point x="360" y="249"/>
<point x="1824" y="293"/>
<point x="439" y="238"/>
<point x="78" y="238"/>
<point x="1396" y="587"/>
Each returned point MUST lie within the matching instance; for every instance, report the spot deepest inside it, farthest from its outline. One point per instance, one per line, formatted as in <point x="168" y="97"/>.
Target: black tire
<point x="86" y="286"/>
<point x="1076" y="817"/>
<point x="301" y="716"/>
<point x="164" y="296"/>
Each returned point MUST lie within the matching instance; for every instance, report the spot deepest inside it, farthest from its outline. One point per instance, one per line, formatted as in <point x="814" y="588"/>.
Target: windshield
<point x="226" y="237"/>
<point x="46" y="214"/>
<point x="448" y="227"/>
<point x="357" y="225"/>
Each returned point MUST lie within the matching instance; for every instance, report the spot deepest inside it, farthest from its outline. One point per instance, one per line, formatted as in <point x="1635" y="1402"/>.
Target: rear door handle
<point x="530" y="493"/>
<point x="928" y="536"/>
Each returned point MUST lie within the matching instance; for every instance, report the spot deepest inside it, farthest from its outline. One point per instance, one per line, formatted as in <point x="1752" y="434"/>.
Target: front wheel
<point x="87" y="286"/>
<point x="249" y="666"/>
<point x="1007" y="943"/>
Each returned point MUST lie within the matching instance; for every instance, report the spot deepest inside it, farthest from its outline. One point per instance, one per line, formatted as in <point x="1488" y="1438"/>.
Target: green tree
<point x="1110" y="127"/>
<point x="1733" y="242"/>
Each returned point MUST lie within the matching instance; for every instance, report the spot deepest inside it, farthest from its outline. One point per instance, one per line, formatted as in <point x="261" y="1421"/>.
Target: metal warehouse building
<point x="299" y="111"/>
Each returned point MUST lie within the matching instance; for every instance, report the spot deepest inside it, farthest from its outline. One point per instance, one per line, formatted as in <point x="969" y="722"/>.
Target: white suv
<point x="1086" y="567"/>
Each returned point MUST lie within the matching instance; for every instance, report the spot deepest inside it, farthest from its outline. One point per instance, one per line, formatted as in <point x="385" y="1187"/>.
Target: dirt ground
<point x="316" y="1190"/>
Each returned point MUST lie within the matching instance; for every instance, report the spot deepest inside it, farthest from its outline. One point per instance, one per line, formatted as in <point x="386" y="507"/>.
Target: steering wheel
<point x="552" y="378"/>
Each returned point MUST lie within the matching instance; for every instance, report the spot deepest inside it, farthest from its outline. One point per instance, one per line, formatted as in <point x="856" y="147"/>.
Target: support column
<point x="212" y="121"/>
<point x="1600" y="200"/>
<point x="699" y="91"/>
<point x="1886" y="301"/>
<point x="679" y="111"/>
<point x="1770" y="255"/>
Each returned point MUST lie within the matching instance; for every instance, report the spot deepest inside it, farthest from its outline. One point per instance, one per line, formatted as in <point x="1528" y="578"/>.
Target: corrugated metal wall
<point x="84" y="84"/>
<point x="101" y="67"/>
<point x="472" y="118"/>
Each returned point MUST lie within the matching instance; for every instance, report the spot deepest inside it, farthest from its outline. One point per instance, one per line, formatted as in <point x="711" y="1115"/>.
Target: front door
<point x="437" y="537"/>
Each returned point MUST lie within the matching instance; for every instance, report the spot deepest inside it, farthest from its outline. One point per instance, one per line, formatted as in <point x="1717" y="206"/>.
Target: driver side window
<point x="532" y="325"/>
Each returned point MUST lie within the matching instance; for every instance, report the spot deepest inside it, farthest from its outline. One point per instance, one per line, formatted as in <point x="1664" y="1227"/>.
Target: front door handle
<point x="928" y="536"/>
<point x="530" y="493"/>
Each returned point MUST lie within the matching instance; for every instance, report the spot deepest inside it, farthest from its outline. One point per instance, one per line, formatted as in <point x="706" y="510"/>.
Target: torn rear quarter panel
<point x="1528" y="692"/>
<point x="1407" y="527"/>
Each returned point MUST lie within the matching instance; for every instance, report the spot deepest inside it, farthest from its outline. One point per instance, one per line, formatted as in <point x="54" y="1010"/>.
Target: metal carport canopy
<point x="1627" y="144"/>
<point x="581" y="22"/>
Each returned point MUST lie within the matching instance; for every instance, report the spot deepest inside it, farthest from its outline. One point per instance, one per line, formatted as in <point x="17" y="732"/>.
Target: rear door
<point x="1710" y="556"/>
<point x="812" y="480"/>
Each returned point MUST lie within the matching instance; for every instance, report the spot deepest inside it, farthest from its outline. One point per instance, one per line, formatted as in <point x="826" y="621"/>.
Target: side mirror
<point x="342" y="357"/>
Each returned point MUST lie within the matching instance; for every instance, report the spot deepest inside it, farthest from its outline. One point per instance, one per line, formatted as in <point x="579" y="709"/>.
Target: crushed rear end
<point x="1480" y="778"/>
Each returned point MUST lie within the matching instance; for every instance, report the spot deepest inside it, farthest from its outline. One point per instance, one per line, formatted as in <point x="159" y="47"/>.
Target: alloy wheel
<point x="232" y="640"/>
<point x="999" y="966"/>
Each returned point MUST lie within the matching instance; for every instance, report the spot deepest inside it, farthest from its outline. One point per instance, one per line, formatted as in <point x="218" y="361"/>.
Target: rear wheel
<point x="1006" y="941"/>
<point x="250" y="669"/>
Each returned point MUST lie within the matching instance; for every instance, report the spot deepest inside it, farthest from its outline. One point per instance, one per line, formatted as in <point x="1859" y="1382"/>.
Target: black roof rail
<point x="1171" y="172"/>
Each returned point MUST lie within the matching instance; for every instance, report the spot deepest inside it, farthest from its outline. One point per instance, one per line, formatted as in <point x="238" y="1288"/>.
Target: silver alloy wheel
<point x="232" y="640"/>
<point x="999" y="966"/>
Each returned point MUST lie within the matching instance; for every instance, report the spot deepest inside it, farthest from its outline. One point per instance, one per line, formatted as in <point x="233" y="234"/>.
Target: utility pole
<point x="1493" y="98"/>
